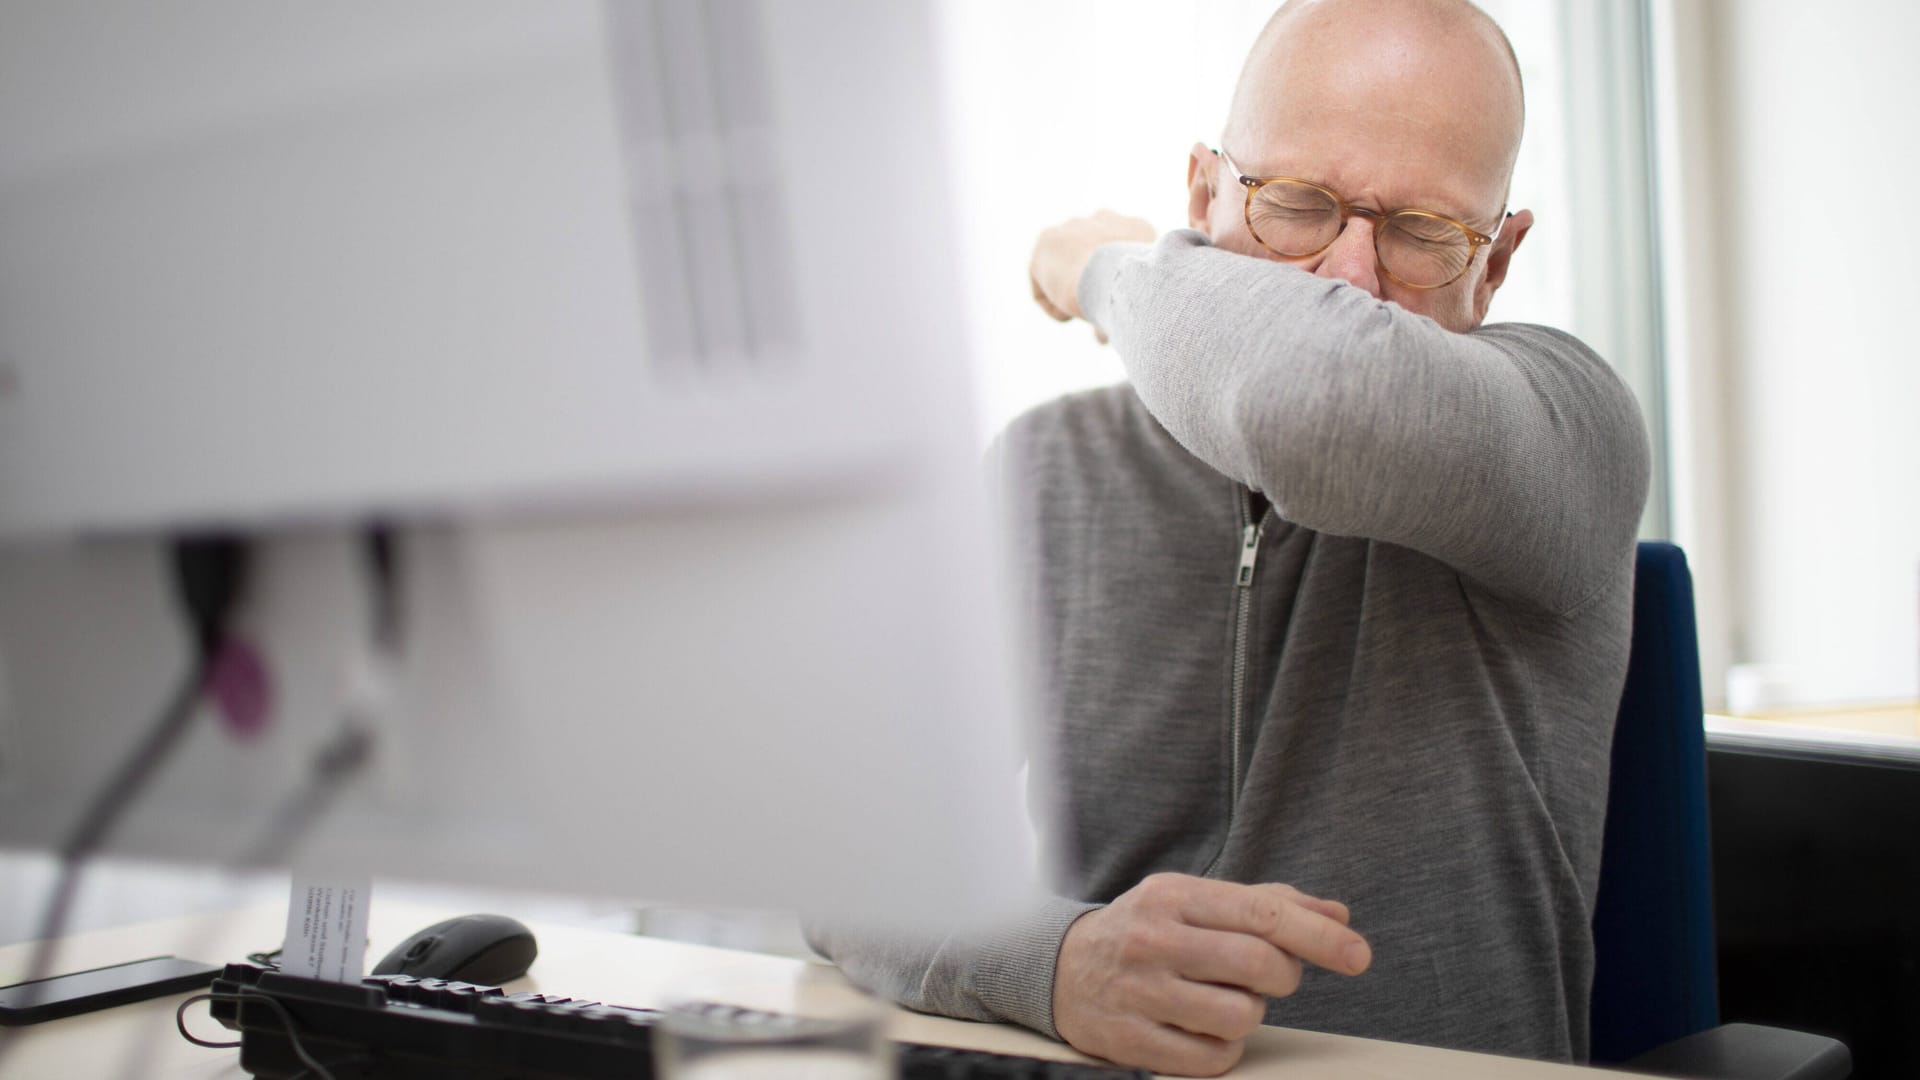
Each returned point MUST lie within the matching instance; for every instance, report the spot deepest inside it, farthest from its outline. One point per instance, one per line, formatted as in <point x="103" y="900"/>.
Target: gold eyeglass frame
<point x="1475" y="238"/>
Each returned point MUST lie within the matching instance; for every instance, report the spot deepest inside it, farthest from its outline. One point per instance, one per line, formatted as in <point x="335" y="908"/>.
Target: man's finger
<point x="1234" y="959"/>
<point x="1046" y="305"/>
<point x="1221" y="1012"/>
<point x="1275" y="913"/>
<point x="1164" y="1048"/>
<point x="1332" y="909"/>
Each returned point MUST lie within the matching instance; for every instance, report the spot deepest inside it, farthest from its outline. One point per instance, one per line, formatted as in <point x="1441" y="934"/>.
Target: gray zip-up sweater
<point x="1393" y="688"/>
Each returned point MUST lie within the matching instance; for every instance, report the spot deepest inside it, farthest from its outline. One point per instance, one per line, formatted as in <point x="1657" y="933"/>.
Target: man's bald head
<point x="1386" y="56"/>
<point x="1391" y="105"/>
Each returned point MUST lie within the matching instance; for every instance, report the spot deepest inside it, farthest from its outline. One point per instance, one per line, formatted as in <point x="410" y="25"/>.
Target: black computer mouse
<point x="484" y="949"/>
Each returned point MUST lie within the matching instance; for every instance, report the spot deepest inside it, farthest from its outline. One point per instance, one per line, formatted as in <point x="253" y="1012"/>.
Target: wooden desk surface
<point x="140" y="1041"/>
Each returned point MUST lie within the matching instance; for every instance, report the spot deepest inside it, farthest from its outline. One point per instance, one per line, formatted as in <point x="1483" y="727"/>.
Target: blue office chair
<point x="1655" y="1001"/>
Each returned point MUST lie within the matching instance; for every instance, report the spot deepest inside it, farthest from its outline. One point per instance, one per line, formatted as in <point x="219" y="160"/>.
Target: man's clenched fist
<point x="1062" y="252"/>
<point x="1174" y="975"/>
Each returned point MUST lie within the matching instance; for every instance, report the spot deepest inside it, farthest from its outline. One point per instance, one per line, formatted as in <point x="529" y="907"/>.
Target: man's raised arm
<point x="1512" y="453"/>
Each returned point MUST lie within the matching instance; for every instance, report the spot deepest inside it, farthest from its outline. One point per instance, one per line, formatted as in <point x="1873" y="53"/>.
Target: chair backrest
<point x="1653" y="922"/>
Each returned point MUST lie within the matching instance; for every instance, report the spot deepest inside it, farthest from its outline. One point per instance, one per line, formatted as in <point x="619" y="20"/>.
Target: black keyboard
<point x="396" y="1026"/>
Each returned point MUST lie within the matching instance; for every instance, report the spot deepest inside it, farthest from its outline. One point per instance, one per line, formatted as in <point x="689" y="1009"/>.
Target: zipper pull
<point x="1249" y="551"/>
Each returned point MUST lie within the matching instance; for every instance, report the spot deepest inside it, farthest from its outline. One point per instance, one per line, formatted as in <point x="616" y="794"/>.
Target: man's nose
<point x="1352" y="257"/>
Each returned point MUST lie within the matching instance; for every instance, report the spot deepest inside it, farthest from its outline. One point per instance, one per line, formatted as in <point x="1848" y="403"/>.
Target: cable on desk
<point x="180" y="1021"/>
<point x="323" y="1072"/>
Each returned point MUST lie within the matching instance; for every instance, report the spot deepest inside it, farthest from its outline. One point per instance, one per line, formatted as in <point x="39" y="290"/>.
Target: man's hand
<point x="1062" y="252"/>
<point x="1171" y="976"/>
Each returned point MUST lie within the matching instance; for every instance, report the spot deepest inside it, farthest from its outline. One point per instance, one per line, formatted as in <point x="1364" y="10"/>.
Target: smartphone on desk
<point x="101" y="988"/>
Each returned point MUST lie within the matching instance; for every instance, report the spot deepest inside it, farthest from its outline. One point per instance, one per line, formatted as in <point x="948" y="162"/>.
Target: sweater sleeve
<point x="1004" y="974"/>
<point x="1512" y="453"/>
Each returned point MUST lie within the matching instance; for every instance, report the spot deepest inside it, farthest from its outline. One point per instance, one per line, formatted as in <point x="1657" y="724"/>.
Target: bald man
<point x="1335" y="591"/>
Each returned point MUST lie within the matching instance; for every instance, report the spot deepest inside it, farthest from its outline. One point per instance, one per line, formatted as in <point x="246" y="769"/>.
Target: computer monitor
<point x="636" y="324"/>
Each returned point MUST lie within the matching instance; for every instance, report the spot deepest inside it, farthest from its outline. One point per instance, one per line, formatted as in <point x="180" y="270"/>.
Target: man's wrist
<point x="1016" y="966"/>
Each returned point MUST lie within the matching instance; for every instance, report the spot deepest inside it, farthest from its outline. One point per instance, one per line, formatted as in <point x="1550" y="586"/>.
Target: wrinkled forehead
<point x="1422" y="108"/>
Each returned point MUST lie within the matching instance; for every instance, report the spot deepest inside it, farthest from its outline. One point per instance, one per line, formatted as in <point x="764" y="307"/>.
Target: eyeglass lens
<point x="1297" y="220"/>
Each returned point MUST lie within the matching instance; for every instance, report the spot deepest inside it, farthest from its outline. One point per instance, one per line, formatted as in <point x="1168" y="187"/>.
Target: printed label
<point x="326" y="927"/>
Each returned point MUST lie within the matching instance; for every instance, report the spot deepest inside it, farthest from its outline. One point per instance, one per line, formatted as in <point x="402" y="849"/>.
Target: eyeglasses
<point x="1297" y="219"/>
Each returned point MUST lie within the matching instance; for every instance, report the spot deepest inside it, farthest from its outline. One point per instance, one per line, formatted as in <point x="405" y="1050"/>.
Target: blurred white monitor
<point x="639" y="319"/>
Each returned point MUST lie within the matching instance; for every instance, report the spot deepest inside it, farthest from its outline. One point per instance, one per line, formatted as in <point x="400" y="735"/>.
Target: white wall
<point x="1807" y="440"/>
<point x="1058" y="108"/>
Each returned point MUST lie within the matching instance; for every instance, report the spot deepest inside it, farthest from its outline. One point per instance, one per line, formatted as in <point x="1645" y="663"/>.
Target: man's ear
<point x="1203" y="169"/>
<point x="1499" y="258"/>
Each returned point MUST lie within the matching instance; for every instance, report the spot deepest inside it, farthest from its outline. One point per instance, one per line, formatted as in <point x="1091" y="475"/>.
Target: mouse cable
<point x="210" y="576"/>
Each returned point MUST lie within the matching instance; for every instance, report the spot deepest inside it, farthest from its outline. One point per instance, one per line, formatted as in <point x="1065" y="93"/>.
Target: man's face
<point x="1390" y="115"/>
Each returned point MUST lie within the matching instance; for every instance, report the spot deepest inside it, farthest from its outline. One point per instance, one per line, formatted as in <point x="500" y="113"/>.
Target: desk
<point x="140" y="1041"/>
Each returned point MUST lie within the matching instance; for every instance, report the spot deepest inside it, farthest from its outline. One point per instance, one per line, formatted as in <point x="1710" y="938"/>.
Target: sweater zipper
<point x="1250" y="536"/>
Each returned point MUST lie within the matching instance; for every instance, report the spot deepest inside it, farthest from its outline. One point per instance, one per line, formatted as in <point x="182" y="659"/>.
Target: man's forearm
<point x="1002" y="975"/>
<point x="1511" y="453"/>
